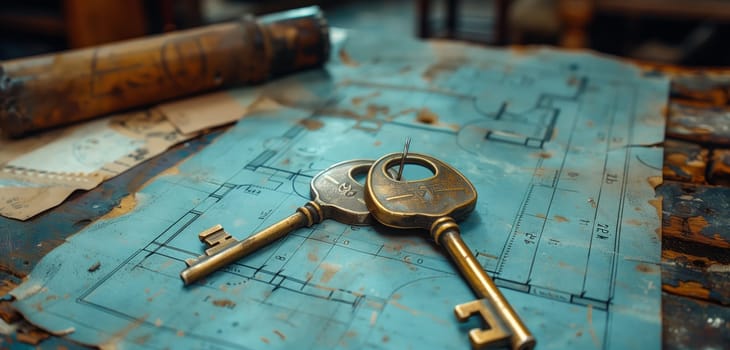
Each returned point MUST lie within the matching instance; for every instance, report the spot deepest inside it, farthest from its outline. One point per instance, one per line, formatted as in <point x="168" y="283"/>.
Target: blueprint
<point x="559" y="145"/>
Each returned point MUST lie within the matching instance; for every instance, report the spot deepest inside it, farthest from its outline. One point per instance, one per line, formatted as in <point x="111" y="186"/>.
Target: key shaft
<point x="305" y="216"/>
<point x="446" y="233"/>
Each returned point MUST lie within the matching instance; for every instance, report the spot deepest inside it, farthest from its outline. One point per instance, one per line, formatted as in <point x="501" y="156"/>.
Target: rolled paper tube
<point x="50" y="90"/>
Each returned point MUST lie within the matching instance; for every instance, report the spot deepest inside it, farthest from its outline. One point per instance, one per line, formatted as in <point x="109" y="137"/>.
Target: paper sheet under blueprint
<point x="41" y="171"/>
<point x="559" y="146"/>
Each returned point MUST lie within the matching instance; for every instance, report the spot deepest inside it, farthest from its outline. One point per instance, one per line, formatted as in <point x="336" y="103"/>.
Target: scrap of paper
<point x="206" y="111"/>
<point x="39" y="173"/>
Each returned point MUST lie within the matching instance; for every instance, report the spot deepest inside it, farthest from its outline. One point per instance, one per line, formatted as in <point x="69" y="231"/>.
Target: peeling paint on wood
<point x="696" y="217"/>
<point x="696" y="213"/>
<point x="696" y="124"/>
<point x="684" y="161"/>
<point x="712" y="88"/>
<point x="688" y="288"/>
<point x="695" y="276"/>
<point x="126" y="205"/>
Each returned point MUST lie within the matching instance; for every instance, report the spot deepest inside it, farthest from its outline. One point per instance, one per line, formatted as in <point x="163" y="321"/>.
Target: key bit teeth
<point x="489" y="338"/>
<point x="211" y="235"/>
<point x="495" y="336"/>
<point x="466" y="310"/>
<point x="216" y="239"/>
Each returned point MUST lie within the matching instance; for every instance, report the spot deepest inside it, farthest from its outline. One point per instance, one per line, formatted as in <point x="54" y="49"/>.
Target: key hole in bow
<point x="411" y="171"/>
<point x="360" y="175"/>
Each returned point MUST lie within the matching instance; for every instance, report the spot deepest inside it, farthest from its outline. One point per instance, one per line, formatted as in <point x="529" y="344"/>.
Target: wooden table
<point x="696" y="212"/>
<point x="695" y="209"/>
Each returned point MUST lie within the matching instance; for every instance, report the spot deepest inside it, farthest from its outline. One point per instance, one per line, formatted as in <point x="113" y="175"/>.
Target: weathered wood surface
<point x="694" y="324"/>
<point x="699" y="85"/>
<point x="696" y="241"/>
<point x="684" y="161"/>
<point x="696" y="212"/>
<point x="698" y="123"/>
<point x="697" y="277"/>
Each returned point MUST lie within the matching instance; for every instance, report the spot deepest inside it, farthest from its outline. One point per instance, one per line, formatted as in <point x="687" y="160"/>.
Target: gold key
<point x="436" y="204"/>
<point x="336" y="195"/>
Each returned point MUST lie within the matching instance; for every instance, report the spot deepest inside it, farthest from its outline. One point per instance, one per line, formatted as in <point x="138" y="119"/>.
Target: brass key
<point x="435" y="204"/>
<point x="336" y="195"/>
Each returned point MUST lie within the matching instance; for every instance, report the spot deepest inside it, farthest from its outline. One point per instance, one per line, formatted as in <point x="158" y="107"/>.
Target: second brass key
<point x="435" y="204"/>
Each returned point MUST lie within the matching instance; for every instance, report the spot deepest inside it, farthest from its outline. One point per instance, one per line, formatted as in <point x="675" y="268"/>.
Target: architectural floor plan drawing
<point x="558" y="145"/>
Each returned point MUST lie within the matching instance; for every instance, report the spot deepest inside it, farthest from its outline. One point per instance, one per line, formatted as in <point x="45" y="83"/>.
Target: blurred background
<point x="684" y="32"/>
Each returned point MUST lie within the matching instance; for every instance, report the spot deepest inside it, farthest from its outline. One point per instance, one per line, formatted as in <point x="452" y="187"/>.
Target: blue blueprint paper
<point x="558" y="145"/>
